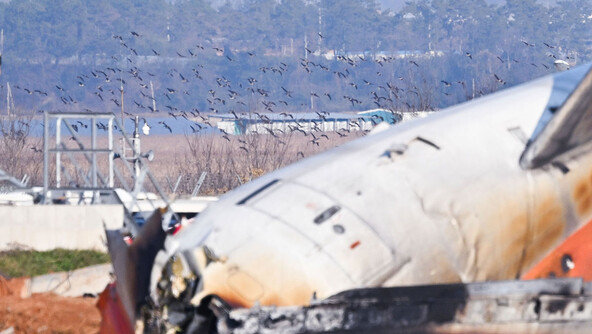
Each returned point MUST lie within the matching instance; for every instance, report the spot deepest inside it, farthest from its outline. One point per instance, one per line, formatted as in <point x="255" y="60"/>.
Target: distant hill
<point x="394" y="5"/>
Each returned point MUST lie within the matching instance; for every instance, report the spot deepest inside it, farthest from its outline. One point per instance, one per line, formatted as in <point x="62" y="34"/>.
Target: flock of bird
<point x="127" y="77"/>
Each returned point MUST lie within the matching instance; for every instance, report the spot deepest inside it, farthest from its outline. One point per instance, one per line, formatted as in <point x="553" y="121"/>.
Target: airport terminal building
<point x="255" y="122"/>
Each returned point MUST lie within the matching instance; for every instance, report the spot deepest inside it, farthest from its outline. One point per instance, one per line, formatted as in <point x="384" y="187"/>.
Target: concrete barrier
<point x="73" y="283"/>
<point x="46" y="227"/>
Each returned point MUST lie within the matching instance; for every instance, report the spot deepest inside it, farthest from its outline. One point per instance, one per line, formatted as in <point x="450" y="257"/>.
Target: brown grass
<point x="228" y="160"/>
<point x="238" y="159"/>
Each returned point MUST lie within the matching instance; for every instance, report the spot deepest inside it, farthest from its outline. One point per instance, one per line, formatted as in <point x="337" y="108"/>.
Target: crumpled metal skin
<point x="438" y="200"/>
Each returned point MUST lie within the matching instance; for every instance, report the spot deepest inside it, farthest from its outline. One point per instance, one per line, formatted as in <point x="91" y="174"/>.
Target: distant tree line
<point x="328" y="54"/>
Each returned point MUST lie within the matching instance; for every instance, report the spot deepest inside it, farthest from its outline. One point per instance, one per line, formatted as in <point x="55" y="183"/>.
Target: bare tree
<point x="20" y="154"/>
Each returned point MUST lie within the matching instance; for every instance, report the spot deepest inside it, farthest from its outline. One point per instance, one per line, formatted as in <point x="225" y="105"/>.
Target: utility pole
<point x="153" y="99"/>
<point x="121" y="91"/>
<point x="137" y="148"/>
<point x="9" y="100"/>
<point x="508" y="61"/>
<point x="1" y="52"/>
<point x="122" y="120"/>
<point x="320" y="28"/>
<point x="1" y="48"/>
<point x="168" y="33"/>
<point x="305" y="46"/>
<point x="429" y="36"/>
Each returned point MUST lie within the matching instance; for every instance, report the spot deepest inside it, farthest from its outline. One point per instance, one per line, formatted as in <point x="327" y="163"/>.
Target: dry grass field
<point x="238" y="159"/>
<point x="228" y="160"/>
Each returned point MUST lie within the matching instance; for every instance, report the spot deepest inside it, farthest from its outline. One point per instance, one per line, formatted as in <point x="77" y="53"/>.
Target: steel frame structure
<point x="93" y="180"/>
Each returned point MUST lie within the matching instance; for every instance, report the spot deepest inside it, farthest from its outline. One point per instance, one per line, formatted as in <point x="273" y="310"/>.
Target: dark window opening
<point x="326" y="214"/>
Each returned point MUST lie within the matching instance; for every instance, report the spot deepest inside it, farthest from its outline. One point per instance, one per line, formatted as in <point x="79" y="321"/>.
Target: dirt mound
<point x="14" y="287"/>
<point x="49" y="313"/>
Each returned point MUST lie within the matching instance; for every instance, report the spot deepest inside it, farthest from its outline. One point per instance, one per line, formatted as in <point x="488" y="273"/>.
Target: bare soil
<point x="49" y="313"/>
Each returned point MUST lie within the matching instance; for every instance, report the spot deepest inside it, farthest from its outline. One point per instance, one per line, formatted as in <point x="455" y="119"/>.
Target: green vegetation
<point x="18" y="263"/>
<point x="44" y="29"/>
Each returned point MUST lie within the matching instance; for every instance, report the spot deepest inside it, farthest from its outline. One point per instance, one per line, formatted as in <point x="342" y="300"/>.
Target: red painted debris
<point x="573" y="258"/>
<point x="113" y="316"/>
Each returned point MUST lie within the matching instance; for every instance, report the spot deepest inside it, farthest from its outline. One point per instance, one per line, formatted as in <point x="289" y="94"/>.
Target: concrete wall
<point x="74" y="283"/>
<point x="45" y="227"/>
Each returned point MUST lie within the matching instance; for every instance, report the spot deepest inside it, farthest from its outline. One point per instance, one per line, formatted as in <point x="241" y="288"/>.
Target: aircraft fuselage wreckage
<point x="481" y="191"/>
